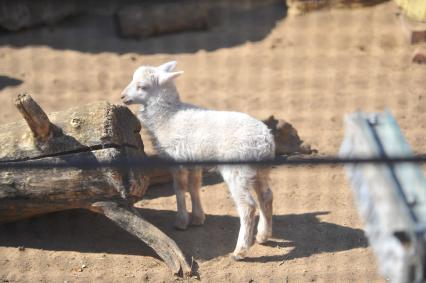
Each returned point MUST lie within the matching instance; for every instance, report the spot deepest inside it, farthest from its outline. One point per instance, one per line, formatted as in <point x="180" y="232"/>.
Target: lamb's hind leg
<point x="265" y="197"/>
<point x="239" y="186"/>
<point x="194" y="182"/>
<point x="180" y="185"/>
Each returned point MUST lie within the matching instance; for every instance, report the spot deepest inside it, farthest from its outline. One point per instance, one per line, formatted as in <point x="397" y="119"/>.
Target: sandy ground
<point x="310" y="70"/>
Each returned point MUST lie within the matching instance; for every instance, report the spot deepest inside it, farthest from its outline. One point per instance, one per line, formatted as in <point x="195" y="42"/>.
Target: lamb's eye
<point x="142" y="87"/>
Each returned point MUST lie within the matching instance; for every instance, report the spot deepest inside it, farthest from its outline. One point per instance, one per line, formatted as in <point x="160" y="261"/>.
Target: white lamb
<point x="185" y="132"/>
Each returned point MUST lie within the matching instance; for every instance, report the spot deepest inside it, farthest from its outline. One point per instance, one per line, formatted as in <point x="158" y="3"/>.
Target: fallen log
<point x="149" y="19"/>
<point x="98" y="132"/>
<point x="18" y="15"/>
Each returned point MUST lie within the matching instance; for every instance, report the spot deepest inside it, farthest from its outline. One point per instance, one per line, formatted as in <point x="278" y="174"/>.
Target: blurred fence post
<point x="391" y="198"/>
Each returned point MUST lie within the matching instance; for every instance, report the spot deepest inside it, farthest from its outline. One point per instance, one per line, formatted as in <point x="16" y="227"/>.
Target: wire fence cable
<point x="154" y="163"/>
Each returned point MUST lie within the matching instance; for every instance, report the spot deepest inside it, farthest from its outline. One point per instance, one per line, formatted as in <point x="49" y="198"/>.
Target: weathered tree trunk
<point x="98" y="132"/>
<point x="17" y="15"/>
<point x="142" y="20"/>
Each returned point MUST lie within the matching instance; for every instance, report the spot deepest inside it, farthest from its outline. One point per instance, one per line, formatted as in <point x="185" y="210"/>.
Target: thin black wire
<point x="155" y="163"/>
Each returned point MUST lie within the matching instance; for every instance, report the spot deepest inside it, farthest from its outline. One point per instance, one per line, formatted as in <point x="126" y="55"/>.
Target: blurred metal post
<point x="391" y="198"/>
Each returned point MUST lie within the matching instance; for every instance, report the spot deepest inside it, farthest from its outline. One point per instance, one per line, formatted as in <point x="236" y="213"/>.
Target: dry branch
<point x="133" y="223"/>
<point x="36" y="119"/>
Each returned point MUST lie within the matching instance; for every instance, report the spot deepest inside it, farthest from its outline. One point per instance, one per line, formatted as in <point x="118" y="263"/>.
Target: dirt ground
<point x="309" y="70"/>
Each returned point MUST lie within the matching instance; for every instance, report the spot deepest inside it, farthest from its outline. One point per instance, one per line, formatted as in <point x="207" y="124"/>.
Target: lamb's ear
<point x="168" y="67"/>
<point x="164" y="77"/>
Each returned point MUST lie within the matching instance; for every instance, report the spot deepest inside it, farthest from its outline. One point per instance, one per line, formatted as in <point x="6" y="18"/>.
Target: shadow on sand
<point x="97" y="33"/>
<point x="83" y="231"/>
<point x="6" y="81"/>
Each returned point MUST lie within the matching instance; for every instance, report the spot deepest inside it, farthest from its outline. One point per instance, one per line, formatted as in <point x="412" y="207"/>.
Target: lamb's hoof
<point x="197" y="220"/>
<point x="262" y="238"/>
<point x="181" y="223"/>
<point x="237" y="256"/>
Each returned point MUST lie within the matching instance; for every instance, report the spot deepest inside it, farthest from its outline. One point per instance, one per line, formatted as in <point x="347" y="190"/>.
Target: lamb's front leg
<point x="194" y="182"/>
<point x="180" y="185"/>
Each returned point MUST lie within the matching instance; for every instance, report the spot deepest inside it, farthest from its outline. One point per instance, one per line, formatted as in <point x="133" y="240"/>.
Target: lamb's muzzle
<point x="124" y="97"/>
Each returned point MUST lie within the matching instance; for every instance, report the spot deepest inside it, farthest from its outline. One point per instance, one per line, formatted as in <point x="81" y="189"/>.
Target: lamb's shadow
<point x="78" y="230"/>
<point x="304" y="232"/>
<point x="6" y="81"/>
<point x="308" y="236"/>
<point x="97" y="33"/>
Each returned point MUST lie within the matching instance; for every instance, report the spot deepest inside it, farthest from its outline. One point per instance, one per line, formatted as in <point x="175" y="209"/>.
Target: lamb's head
<point x="149" y="83"/>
